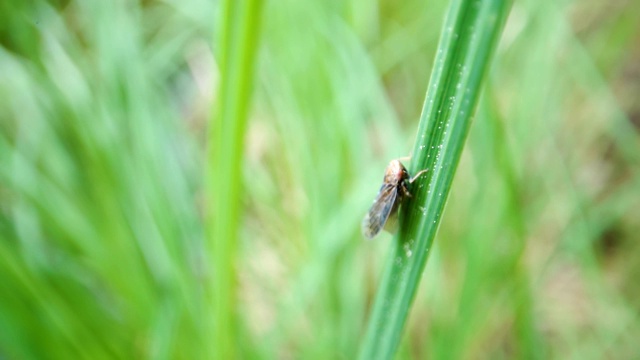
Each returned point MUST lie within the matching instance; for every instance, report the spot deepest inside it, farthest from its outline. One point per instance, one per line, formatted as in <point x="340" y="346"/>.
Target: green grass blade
<point x="469" y="36"/>
<point x="237" y="52"/>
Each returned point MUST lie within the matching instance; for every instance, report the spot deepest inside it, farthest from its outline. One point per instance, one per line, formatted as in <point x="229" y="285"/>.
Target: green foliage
<point x="238" y="38"/>
<point x="469" y="35"/>
<point x="108" y="173"/>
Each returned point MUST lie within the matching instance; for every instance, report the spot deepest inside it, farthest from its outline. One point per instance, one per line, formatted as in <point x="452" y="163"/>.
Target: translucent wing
<point x="379" y="213"/>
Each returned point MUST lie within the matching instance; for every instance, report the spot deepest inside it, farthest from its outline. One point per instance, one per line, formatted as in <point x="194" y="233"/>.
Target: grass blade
<point x="237" y="50"/>
<point x="469" y="35"/>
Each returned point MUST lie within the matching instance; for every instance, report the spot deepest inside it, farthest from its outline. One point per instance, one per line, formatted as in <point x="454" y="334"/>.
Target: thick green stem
<point x="468" y="39"/>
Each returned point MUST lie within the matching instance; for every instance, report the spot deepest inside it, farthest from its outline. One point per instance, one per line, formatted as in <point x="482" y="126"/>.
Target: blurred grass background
<point x="103" y="116"/>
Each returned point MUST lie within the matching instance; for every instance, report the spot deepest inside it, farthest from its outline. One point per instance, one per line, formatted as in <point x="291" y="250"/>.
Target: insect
<point x="394" y="189"/>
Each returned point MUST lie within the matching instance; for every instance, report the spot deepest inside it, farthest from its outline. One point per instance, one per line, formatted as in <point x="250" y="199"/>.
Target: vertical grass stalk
<point x="236" y="47"/>
<point x="470" y="32"/>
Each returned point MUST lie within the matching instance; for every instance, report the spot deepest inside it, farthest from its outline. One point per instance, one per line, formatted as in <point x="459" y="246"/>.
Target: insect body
<point x="393" y="191"/>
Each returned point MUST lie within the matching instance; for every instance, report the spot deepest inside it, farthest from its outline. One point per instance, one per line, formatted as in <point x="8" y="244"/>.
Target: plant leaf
<point x="468" y="39"/>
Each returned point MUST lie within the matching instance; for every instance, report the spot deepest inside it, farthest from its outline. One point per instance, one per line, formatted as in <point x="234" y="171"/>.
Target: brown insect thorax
<point x="396" y="175"/>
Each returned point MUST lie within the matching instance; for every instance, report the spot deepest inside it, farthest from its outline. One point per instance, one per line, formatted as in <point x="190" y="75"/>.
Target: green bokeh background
<point x="104" y="107"/>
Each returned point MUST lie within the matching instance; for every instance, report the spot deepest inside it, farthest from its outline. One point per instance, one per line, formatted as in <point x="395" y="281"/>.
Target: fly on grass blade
<point x="392" y="193"/>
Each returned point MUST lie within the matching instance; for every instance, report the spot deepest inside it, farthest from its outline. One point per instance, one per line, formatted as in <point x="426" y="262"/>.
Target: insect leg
<point x="405" y="190"/>
<point x="416" y="175"/>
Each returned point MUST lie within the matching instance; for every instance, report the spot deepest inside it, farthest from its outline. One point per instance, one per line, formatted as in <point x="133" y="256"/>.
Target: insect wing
<point x="379" y="213"/>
